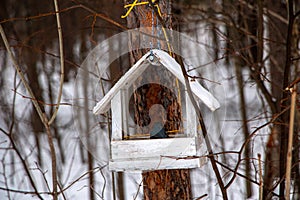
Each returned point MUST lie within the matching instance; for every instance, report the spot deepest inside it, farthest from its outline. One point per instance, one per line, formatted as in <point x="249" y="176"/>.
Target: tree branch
<point x="204" y="130"/>
<point x="290" y="144"/>
<point x="62" y="62"/>
<point x="41" y="114"/>
<point x="14" y="147"/>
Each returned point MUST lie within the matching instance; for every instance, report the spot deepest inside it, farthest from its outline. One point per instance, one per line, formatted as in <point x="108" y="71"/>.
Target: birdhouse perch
<point x="142" y="153"/>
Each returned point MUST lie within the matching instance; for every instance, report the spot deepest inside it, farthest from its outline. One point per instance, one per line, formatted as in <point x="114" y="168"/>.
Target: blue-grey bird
<point x="157" y="115"/>
<point x="158" y="131"/>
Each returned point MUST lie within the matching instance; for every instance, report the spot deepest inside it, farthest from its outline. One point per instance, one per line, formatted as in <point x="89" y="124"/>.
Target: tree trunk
<point x="276" y="162"/>
<point x="167" y="184"/>
<point x="160" y="184"/>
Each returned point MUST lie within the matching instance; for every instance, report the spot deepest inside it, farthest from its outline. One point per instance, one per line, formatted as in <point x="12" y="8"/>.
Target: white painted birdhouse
<point x="131" y="147"/>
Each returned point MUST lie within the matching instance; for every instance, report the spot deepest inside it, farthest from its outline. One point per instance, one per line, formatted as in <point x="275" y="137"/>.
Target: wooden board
<point x="132" y="155"/>
<point x="153" y="148"/>
<point x="155" y="164"/>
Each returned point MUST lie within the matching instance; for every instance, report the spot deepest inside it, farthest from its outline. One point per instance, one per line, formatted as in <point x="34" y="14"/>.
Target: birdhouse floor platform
<point x="155" y="154"/>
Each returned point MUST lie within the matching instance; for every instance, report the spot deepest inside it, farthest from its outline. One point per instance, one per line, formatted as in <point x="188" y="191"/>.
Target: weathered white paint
<point x="125" y="113"/>
<point x="155" y="163"/>
<point x="191" y="117"/>
<point x="178" y="147"/>
<point x="137" y="69"/>
<point x="170" y="153"/>
<point x="117" y="113"/>
<point x="170" y="63"/>
<point x="129" y="77"/>
<point x="154" y="154"/>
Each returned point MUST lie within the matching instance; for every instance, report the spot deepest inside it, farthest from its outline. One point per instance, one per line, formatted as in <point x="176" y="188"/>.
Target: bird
<point x="158" y="131"/>
<point x="156" y="127"/>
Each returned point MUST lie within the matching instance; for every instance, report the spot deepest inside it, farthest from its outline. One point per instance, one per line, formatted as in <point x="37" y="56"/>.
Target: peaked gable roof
<point x="137" y="69"/>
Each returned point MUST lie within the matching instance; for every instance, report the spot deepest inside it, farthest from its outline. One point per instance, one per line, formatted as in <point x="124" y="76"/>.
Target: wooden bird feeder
<point x="129" y="149"/>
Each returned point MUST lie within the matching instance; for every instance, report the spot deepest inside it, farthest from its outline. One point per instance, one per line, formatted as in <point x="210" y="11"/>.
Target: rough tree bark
<point x="159" y="184"/>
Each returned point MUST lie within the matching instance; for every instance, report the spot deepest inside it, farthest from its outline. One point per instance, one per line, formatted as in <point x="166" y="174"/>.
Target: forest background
<point x="254" y="46"/>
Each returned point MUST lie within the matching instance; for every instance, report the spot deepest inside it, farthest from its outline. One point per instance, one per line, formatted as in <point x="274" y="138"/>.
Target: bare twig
<point x="4" y="173"/>
<point x="20" y="73"/>
<point x="94" y="170"/>
<point x="62" y="65"/>
<point x="53" y="158"/>
<point x="42" y="115"/>
<point x="261" y="184"/>
<point x="39" y="101"/>
<point x="204" y="130"/>
<point x="35" y="103"/>
<point x="62" y="192"/>
<point x="201" y="197"/>
<point x="285" y="83"/>
<point x="290" y="144"/>
<point x="79" y="5"/>
<point x="138" y="191"/>
<point x="243" y="107"/>
<point x="274" y="14"/>
<point x="104" y="185"/>
<point x="102" y="16"/>
<point x="43" y="175"/>
<point x="248" y="140"/>
<point x="24" y="192"/>
<point x="23" y="162"/>
<point x="243" y="176"/>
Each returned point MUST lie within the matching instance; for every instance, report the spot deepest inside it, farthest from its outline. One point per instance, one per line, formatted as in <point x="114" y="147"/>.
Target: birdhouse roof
<point x="137" y="69"/>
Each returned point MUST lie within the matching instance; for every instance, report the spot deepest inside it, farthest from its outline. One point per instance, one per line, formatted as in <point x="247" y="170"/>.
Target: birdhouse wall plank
<point x="124" y="104"/>
<point x="178" y="147"/>
<point x="117" y="116"/>
<point x="191" y="118"/>
<point x="156" y="163"/>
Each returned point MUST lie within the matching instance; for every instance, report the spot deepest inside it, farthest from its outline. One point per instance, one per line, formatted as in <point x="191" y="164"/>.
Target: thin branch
<point x="290" y="144"/>
<point x="80" y="177"/>
<point x="243" y="108"/>
<point x="62" y="62"/>
<point x="261" y="183"/>
<point x="39" y="101"/>
<point x="138" y="191"/>
<point x="285" y="83"/>
<point x="14" y="147"/>
<point x="35" y="103"/>
<point x="23" y="192"/>
<point x="102" y="16"/>
<point x="62" y="192"/>
<point x="42" y="115"/>
<point x="20" y="73"/>
<point x="204" y="130"/>
<point x="79" y="5"/>
<point x="201" y="197"/>
<point x="53" y="158"/>
<point x="43" y="175"/>
<point x="241" y="175"/>
<point x="104" y="184"/>
<point x="274" y="14"/>
<point x="248" y="140"/>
